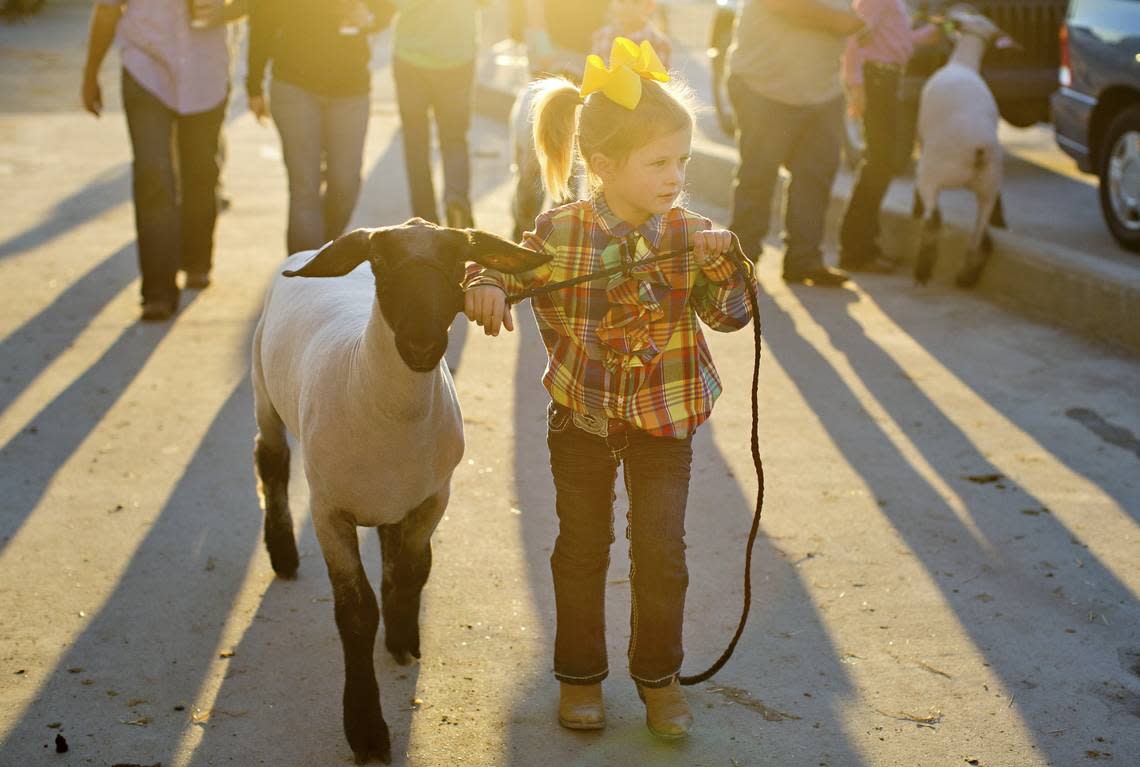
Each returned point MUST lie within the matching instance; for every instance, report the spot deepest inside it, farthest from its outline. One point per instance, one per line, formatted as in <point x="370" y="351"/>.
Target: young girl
<point x="629" y="373"/>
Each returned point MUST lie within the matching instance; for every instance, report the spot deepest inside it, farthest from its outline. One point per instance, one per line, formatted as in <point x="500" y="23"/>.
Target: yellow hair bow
<point x="621" y="81"/>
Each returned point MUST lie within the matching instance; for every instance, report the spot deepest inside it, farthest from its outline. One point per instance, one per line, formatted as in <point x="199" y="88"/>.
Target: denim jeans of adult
<point x="173" y="180"/>
<point x="322" y="139"/>
<point x="656" y="471"/>
<point x="860" y="227"/>
<point x="446" y="93"/>
<point x="806" y="140"/>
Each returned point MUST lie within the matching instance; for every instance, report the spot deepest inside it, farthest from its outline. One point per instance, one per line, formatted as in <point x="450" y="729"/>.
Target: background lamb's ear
<point x="502" y="255"/>
<point x="338" y="257"/>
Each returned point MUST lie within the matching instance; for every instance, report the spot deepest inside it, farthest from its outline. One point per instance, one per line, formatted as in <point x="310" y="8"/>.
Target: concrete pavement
<point x="948" y="572"/>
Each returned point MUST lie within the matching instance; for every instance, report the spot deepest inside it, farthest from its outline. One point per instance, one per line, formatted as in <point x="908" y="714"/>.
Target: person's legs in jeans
<point x="345" y="126"/>
<point x="451" y="103"/>
<point x="198" y="170"/>
<point x="413" y="97"/>
<point x="764" y="134"/>
<point x="297" y="115"/>
<point x="657" y="480"/>
<point x="584" y="471"/>
<point x="860" y="226"/>
<point x="813" y="163"/>
<point x="153" y="181"/>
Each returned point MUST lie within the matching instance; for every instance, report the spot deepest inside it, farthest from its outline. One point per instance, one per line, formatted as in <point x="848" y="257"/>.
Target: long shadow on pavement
<point x="108" y="190"/>
<point x="36" y="344"/>
<point x="155" y="640"/>
<point x="785" y="663"/>
<point x="1076" y="437"/>
<point x="33" y="457"/>
<point x="1001" y="569"/>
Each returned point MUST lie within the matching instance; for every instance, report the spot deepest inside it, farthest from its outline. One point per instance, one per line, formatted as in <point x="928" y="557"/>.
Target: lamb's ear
<point x="338" y="257"/>
<point x="500" y="254"/>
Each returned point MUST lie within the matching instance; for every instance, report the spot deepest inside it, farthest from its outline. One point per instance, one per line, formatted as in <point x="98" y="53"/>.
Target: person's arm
<point x="927" y="34"/>
<point x="817" y="15"/>
<point x="104" y="20"/>
<point x="263" y="23"/>
<point x="853" y="64"/>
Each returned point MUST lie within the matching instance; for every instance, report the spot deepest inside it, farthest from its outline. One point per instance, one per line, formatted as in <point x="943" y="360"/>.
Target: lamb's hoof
<point x="971" y="271"/>
<point x="403" y="653"/>
<point x="924" y="265"/>
<point x="922" y="270"/>
<point x="282" y="553"/>
<point x="367" y="734"/>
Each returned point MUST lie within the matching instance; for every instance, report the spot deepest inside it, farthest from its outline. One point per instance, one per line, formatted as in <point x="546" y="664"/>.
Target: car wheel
<point x="1120" y="178"/>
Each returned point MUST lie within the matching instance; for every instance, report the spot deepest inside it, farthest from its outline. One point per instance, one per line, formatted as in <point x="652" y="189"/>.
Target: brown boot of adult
<point x="666" y="710"/>
<point x="580" y="707"/>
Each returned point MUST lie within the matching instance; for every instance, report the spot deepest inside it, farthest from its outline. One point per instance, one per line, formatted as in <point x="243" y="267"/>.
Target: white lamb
<point x="352" y="367"/>
<point x="958" y="131"/>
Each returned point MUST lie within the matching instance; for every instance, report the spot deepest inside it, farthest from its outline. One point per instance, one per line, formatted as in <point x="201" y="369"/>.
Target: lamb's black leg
<point x="271" y="459"/>
<point x="927" y="251"/>
<point x="406" y="550"/>
<point x="997" y="218"/>
<point x="357" y="619"/>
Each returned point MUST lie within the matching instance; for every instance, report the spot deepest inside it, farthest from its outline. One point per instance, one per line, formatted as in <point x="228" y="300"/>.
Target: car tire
<point x="1119" y="173"/>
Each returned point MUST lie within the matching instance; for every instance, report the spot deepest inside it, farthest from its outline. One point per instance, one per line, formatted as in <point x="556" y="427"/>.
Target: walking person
<point x="629" y="373"/>
<point x="175" y="84"/>
<point x="319" y="100"/>
<point x="785" y="88"/>
<point x="872" y="72"/>
<point x="434" y="69"/>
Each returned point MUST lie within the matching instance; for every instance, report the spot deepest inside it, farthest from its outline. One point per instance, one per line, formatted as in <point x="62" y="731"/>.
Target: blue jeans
<point x="446" y="93"/>
<point x="322" y="139"/>
<point x="173" y="180"/>
<point x="860" y="228"/>
<point x="804" y="139"/>
<point x="657" y="481"/>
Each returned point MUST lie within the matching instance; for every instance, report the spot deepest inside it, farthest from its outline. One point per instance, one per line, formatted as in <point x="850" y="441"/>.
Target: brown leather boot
<point x="580" y="706"/>
<point x="666" y="711"/>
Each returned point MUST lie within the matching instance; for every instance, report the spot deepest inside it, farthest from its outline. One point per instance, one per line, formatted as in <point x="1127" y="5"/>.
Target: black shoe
<point x="820" y="277"/>
<point x="158" y="311"/>
<point x="197" y="280"/>
<point x="878" y="264"/>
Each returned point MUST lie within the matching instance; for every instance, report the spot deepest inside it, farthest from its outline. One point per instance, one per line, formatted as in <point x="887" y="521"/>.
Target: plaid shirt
<point x="628" y="347"/>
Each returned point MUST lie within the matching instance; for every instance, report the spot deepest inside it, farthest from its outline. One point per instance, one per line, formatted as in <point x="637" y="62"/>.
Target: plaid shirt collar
<point x="619" y="228"/>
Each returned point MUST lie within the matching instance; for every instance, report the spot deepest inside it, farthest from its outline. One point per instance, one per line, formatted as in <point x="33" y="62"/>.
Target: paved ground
<point x="949" y="569"/>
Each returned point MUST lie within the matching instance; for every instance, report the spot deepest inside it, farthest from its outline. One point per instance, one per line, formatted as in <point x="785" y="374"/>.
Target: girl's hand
<point x="711" y="244"/>
<point x="486" y="306"/>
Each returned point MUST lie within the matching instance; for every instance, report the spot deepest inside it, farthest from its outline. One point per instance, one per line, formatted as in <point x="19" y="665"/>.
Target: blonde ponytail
<point x="554" y="114"/>
<point x="566" y="128"/>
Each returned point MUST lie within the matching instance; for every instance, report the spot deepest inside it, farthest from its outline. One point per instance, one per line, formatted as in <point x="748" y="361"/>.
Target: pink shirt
<point x="187" y="69"/>
<point x="890" y="40"/>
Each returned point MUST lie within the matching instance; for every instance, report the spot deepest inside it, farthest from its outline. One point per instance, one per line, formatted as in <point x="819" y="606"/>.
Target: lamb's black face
<point x="418" y="285"/>
<point x="419" y="269"/>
